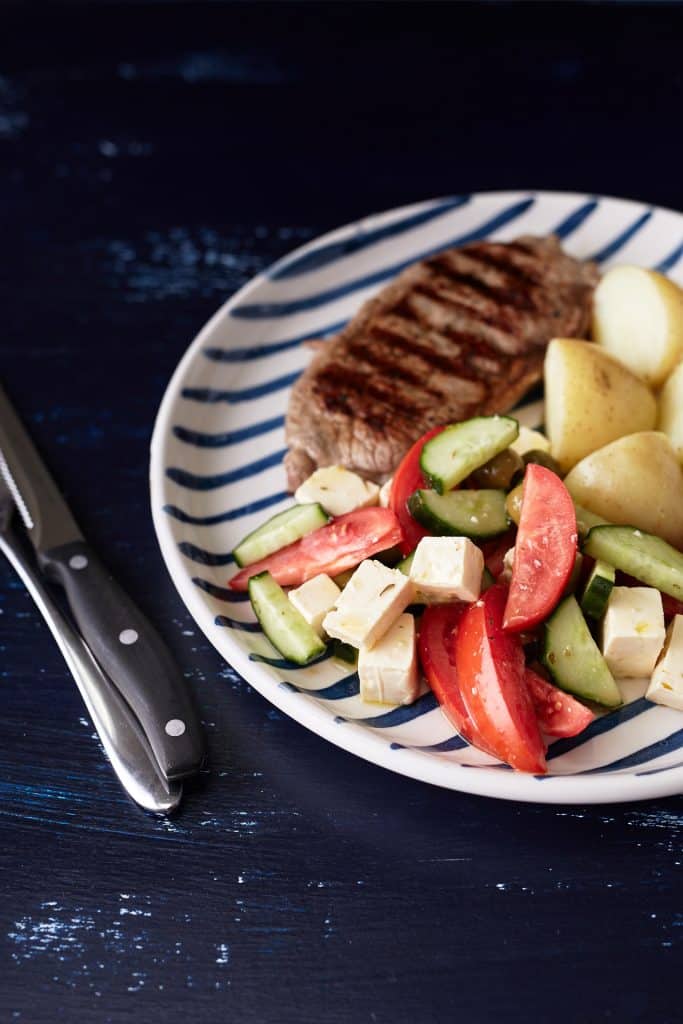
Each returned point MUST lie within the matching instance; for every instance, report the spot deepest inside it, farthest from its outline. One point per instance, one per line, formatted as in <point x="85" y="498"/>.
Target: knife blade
<point x="122" y="640"/>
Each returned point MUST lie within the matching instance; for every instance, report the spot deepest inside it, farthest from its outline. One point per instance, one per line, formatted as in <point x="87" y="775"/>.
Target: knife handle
<point x="129" y="753"/>
<point x="133" y="655"/>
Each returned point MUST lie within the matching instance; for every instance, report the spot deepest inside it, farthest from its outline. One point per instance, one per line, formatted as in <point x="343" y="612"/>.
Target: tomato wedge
<point x="436" y="648"/>
<point x="545" y="550"/>
<point x="491" y="674"/>
<point x="407" y="479"/>
<point x="557" y="713"/>
<point x="671" y="606"/>
<point x="333" y="548"/>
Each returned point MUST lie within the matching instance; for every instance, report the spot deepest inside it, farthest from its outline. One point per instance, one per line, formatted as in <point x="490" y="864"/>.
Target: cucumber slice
<point x="285" y="627"/>
<point x="405" y="564"/>
<point x="344" y="652"/>
<point x="586" y="520"/>
<point x="574" y="576"/>
<point x="487" y="579"/>
<point x="477" y="514"/>
<point x="461" y="448"/>
<point x="639" y="554"/>
<point x="598" y="589"/>
<point x="574" y="658"/>
<point x="279" y="531"/>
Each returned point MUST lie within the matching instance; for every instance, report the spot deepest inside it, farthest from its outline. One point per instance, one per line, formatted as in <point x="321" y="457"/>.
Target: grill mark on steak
<point x="460" y="334"/>
<point x="501" y="262"/>
<point x="465" y="351"/>
<point x="370" y="354"/>
<point x="457" y="337"/>
<point x="499" y="319"/>
<point x="507" y="296"/>
<point x="338" y="386"/>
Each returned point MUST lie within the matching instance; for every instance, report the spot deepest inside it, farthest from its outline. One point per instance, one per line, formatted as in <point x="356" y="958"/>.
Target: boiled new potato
<point x="530" y="441"/>
<point x="634" y="481"/>
<point x="671" y="410"/>
<point x="590" y="400"/>
<point x="638" y="318"/>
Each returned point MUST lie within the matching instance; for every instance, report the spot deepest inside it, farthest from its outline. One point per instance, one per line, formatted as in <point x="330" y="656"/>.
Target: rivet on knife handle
<point x="133" y="655"/>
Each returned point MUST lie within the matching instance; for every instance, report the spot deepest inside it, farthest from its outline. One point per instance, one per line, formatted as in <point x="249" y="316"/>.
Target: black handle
<point x="134" y="657"/>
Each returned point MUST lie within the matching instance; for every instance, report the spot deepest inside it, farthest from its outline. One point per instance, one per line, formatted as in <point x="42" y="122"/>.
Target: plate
<point x="216" y="473"/>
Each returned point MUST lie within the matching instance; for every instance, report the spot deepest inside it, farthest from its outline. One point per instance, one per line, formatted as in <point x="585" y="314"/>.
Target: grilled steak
<point x="456" y="335"/>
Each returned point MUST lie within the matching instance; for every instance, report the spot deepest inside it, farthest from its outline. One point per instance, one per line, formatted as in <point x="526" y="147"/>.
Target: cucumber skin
<point x="605" y="694"/>
<point x="442" y="484"/>
<point x="265" y="528"/>
<point x="643" y="555"/>
<point x="597" y="590"/>
<point x="405" y="564"/>
<point x="586" y="520"/>
<point x="344" y="652"/>
<point x="420" y="509"/>
<point x="274" y="600"/>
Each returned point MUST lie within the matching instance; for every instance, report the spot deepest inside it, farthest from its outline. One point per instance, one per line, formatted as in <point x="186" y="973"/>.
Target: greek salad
<point x="521" y="573"/>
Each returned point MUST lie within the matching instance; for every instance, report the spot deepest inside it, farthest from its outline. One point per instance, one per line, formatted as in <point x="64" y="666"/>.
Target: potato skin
<point x="590" y="400"/>
<point x="635" y="481"/>
<point x="638" y="318"/>
<point x="671" y="410"/>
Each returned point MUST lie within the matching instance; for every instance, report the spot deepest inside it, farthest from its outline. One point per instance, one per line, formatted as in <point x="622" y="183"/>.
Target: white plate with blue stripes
<point x="216" y="473"/>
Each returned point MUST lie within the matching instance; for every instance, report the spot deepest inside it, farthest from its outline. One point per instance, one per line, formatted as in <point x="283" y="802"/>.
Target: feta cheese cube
<point x="447" y="569"/>
<point x="338" y="490"/>
<point x="314" y="598"/>
<point x="370" y="602"/>
<point x="633" y="630"/>
<point x="530" y="441"/>
<point x="508" y="562"/>
<point x="666" y="685"/>
<point x="385" y="493"/>
<point x="388" y="670"/>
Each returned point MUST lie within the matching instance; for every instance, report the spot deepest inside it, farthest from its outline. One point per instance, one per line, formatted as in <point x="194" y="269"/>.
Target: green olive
<point x="541" y="458"/>
<point x="498" y="471"/>
<point x="513" y="504"/>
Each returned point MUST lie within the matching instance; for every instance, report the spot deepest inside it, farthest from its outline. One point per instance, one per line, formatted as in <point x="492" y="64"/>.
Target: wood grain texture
<point x="152" y="159"/>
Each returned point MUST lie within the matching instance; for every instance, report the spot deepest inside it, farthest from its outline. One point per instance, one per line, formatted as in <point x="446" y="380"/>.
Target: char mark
<point x="518" y="298"/>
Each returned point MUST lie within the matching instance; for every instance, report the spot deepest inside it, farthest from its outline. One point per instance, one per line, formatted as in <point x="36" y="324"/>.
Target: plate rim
<point x="353" y="738"/>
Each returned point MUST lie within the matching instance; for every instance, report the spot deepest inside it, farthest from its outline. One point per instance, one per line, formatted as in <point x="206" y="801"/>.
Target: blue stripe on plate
<point x="261" y="310"/>
<point x="657" y="771"/>
<point x="649" y="753"/>
<point x="452" y="743"/>
<point x="348" y="686"/>
<point x="221" y="593"/>
<point x="196" y="554"/>
<point x="575" y="219"/>
<point x="290" y="666"/>
<point x="670" y="261"/>
<point x="227" y="516"/>
<point x="599" y="727"/>
<point x="212" y="395"/>
<point x="245" y="627"/>
<point x="230" y="437"/>
<point x="332" y="251"/>
<point x="195" y="482"/>
<point x="613" y="247"/>
<point x="398" y="716"/>
<point x="246" y="354"/>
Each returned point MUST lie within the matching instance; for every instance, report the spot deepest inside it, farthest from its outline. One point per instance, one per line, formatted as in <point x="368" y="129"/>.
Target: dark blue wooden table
<point x="152" y="158"/>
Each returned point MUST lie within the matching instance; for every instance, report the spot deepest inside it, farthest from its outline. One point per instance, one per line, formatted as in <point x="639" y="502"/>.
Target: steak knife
<point x="125" y="644"/>
<point x="120" y="734"/>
